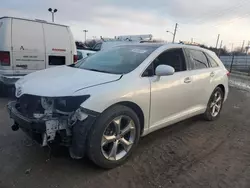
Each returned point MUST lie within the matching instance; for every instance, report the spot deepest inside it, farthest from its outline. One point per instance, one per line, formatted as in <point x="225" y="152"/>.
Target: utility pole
<point x="218" y="38"/>
<point x="242" y="45"/>
<point x="85" y="31"/>
<point x="220" y="47"/>
<point x="175" y="29"/>
<point x="221" y="44"/>
<point x="247" y="47"/>
<point x="52" y="12"/>
<point x="232" y="47"/>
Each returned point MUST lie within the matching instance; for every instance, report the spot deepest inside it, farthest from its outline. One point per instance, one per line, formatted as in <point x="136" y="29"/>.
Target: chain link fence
<point x="237" y="64"/>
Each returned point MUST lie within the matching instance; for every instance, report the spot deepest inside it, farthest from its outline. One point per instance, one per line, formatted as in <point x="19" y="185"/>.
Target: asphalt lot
<point x="193" y="153"/>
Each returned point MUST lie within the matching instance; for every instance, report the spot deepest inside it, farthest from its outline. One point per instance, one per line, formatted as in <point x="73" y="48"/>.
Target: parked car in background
<point x="102" y="105"/>
<point x="30" y="45"/>
<point x="81" y="54"/>
<point x="106" y="43"/>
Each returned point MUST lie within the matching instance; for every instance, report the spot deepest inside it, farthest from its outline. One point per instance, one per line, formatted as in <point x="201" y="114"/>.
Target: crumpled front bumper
<point x="41" y="130"/>
<point x="34" y="125"/>
<point x="45" y="130"/>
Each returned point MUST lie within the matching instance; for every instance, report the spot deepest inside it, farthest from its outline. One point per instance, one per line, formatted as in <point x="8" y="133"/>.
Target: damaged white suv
<point x="102" y="105"/>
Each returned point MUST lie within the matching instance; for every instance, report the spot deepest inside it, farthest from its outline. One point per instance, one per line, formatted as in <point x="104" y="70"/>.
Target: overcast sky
<point x="198" y="19"/>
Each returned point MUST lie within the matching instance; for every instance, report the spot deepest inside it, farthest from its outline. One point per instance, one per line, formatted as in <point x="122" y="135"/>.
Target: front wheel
<point x="214" y="105"/>
<point x="113" y="137"/>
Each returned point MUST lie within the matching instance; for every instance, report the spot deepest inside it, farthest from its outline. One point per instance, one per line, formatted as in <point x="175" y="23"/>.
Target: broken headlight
<point x="69" y="104"/>
<point x="47" y="103"/>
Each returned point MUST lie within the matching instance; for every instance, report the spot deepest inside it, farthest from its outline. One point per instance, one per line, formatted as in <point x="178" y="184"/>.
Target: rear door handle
<point x="187" y="80"/>
<point x="212" y="74"/>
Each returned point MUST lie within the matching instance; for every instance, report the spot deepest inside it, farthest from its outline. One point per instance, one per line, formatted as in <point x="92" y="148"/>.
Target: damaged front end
<point x="58" y="120"/>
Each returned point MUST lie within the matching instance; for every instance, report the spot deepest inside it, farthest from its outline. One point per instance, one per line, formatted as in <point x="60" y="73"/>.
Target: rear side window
<point x="198" y="59"/>
<point x="56" y="60"/>
<point x="212" y="62"/>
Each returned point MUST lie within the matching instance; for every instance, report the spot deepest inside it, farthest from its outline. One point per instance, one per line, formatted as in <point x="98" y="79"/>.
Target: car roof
<point x="169" y="45"/>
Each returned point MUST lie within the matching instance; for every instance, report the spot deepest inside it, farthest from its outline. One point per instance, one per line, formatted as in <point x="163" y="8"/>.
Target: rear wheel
<point x="113" y="137"/>
<point x="214" y="105"/>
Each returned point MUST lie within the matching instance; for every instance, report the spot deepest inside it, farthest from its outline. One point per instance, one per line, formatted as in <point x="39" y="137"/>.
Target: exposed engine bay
<point x="50" y="119"/>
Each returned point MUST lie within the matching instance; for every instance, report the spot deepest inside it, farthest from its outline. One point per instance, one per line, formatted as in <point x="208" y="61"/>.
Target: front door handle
<point x="187" y="80"/>
<point x="212" y="74"/>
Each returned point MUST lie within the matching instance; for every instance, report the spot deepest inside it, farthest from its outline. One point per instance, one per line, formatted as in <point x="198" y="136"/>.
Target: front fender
<point x="106" y="95"/>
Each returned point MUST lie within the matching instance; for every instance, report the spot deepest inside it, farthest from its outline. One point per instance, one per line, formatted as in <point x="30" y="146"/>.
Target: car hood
<point x="61" y="81"/>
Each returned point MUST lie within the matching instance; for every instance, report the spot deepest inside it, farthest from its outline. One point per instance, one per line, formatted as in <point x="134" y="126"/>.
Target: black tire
<point x="94" y="150"/>
<point x="208" y="114"/>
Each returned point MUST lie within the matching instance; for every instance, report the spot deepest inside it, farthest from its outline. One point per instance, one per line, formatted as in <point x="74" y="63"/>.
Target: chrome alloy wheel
<point x="216" y="103"/>
<point x="118" y="138"/>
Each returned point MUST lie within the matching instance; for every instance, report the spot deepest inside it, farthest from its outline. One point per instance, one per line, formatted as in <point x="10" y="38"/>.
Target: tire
<point x="96" y="146"/>
<point x="209" y="115"/>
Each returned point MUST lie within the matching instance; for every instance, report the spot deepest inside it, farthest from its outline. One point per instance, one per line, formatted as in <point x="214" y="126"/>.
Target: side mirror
<point x="164" y="70"/>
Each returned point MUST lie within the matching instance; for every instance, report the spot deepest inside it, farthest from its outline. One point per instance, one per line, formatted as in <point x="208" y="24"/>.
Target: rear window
<point x="56" y="60"/>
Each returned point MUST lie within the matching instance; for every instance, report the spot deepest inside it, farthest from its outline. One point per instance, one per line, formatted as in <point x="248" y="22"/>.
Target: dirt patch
<point x="193" y="153"/>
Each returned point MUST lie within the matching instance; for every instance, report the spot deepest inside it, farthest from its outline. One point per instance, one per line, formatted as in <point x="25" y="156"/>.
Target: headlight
<point x="69" y="104"/>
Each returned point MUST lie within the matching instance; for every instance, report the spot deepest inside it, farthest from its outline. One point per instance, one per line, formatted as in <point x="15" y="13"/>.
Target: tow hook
<point x="15" y="127"/>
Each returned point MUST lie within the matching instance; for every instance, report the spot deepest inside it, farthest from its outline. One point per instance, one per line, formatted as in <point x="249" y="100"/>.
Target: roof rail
<point x="38" y="20"/>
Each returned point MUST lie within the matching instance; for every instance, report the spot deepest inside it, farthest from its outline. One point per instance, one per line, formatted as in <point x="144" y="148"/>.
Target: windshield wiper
<point x="72" y="65"/>
<point x="96" y="70"/>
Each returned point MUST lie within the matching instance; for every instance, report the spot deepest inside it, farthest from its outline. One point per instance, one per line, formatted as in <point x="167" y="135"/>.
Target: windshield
<point x="118" y="60"/>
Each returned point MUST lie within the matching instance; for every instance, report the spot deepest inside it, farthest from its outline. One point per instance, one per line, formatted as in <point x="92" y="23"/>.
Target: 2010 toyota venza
<point x="102" y="105"/>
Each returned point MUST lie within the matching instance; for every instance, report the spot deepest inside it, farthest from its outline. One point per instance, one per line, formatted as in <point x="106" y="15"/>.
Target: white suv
<point x="102" y="105"/>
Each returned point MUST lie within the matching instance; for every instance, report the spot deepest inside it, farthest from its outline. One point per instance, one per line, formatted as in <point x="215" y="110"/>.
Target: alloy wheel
<point x="216" y="104"/>
<point x="118" y="138"/>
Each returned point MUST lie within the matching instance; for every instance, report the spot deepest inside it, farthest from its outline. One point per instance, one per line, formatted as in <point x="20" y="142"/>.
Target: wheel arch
<point x="222" y="87"/>
<point x="136" y="108"/>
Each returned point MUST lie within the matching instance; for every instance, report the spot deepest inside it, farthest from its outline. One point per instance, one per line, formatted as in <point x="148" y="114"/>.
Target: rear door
<point x="201" y="74"/>
<point x="216" y="72"/>
<point x="58" y="45"/>
<point x="28" y="46"/>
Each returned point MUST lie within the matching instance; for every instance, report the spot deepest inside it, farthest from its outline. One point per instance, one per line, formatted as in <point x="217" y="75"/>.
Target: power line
<point x="211" y="15"/>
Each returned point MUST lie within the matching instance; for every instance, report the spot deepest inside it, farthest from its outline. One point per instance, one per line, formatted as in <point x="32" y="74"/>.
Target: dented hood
<point x="61" y="81"/>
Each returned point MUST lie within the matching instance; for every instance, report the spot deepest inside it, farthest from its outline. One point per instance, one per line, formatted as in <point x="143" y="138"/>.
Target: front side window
<point x="174" y="58"/>
<point x="119" y="60"/>
<point x="198" y="59"/>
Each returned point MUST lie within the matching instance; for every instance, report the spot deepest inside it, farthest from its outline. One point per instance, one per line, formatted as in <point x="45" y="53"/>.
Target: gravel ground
<point x="193" y="153"/>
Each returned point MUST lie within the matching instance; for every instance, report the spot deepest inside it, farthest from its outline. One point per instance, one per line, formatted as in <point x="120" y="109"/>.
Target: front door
<point x="171" y="96"/>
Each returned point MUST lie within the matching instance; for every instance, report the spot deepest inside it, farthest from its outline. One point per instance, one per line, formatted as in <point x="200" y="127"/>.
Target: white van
<point x="30" y="45"/>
